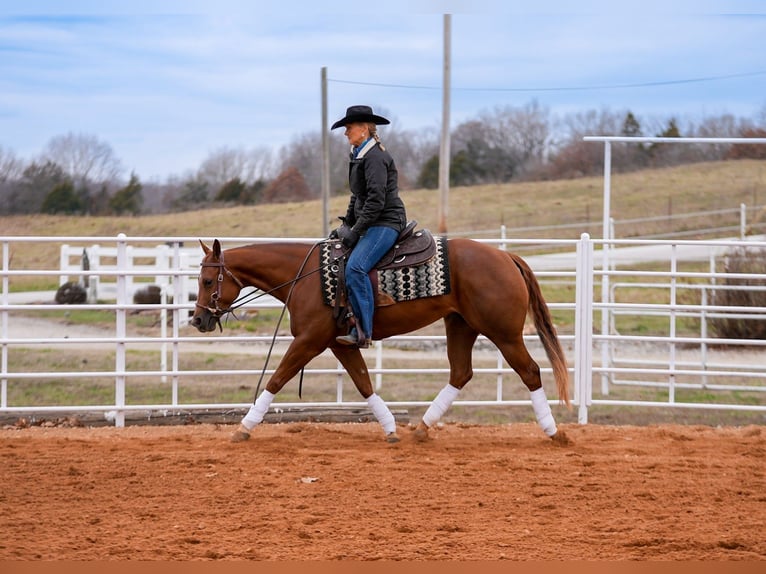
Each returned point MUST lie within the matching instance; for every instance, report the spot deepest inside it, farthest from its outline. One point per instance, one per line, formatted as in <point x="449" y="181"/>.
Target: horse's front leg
<point x="353" y="361"/>
<point x="298" y="354"/>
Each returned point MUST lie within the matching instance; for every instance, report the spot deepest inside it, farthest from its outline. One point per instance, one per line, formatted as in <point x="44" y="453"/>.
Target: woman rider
<point x="374" y="218"/>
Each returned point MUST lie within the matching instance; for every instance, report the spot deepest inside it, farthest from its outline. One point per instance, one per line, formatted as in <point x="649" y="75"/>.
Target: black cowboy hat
<point x="360" y="114"/>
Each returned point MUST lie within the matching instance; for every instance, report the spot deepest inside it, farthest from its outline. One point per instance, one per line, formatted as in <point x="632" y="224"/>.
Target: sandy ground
<point x="324" y="491"/>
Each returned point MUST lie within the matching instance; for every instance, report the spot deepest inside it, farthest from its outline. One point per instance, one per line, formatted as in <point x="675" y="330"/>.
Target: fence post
<point x="673" y="321"/>
<point x="121" y="330"/>
<point x="742" y="221"/>
<point x="64" y="262"/>
<point x="4" y="326"/>
<point x="607" y="233"/>
<point x="583" y="367"/>
<point x="95" y="280"/>
<point x="180" y="296"/>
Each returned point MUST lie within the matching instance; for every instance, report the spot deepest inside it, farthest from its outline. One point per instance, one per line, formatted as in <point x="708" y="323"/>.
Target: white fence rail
<point x="679" y="364"/>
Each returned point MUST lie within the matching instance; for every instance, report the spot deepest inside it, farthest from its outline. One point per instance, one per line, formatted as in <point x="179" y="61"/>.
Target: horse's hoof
<point x="420" y="434"/>
<point x="392" y="438"/>
<point x="240" y="435"/>
<point x="561" y="439"/>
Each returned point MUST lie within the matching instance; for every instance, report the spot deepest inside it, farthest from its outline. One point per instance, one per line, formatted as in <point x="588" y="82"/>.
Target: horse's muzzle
<point x="205" y="321"/>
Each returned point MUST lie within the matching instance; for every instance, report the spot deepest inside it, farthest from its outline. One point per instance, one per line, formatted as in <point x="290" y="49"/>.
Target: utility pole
<point x="444" y="151"/>
<point x="325" y="159"/>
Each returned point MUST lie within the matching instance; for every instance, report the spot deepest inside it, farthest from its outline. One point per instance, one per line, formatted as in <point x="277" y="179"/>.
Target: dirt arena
<point x="337" y="491"/>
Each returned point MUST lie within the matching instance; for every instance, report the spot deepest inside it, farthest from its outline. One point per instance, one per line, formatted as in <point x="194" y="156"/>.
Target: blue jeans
<point x="372" y="246"/>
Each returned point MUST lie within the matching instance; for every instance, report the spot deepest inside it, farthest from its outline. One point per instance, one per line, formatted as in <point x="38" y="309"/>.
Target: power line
<point x="563" y="88"/>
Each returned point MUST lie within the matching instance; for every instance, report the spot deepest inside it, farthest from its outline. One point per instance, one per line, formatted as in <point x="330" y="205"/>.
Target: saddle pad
<point x="404" y="284"/>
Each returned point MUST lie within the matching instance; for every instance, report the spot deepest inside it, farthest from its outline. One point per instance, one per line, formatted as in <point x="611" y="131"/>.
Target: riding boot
<point x="354" y="338"/>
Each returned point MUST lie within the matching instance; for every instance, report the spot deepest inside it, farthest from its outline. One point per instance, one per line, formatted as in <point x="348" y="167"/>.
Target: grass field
<point x="472" y="210"/>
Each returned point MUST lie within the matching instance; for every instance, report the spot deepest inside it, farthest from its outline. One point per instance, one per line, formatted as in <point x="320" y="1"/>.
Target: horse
<point x="491" y="292"/>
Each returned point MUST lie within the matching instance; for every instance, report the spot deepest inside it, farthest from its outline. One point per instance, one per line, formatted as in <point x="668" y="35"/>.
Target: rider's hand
<point x="348" y="236"/>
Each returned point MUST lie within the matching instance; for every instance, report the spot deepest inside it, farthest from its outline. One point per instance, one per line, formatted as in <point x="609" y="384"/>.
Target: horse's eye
<point x="207" y="282"/>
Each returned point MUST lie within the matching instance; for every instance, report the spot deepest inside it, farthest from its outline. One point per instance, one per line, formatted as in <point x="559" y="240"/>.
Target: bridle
<point x="217" y="312"/>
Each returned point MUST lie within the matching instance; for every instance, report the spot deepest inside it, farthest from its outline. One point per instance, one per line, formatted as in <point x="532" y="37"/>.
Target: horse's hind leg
<point x="460" y="340"/>
<point x="515" y="352"/>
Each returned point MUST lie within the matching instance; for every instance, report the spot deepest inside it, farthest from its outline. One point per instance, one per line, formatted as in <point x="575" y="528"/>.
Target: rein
<point x="219" y="312"/>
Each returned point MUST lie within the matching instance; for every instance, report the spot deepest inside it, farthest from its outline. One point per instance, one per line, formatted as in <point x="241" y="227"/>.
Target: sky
<point x="167" y="83"/>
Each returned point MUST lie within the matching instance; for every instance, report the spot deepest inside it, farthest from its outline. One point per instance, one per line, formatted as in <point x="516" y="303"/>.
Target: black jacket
<point x="373" y="180"/>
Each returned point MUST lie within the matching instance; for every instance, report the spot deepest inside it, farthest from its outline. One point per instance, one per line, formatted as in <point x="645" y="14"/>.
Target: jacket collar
<point x="365" y="147"/>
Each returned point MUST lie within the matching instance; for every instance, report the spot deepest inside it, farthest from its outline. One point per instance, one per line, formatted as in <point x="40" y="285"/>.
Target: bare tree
<point x="524" y="132"/>
<point x="572" y="156"/>
<point x="259" y="166"/>
<point x="222" y="165"/>
<point x="411" y="149"/>
<point x="304" y="153"/>
<point x="226" y="164"/>
<point x="10" y="166"/>
<point x="723" y="126"/>
<point x="84" y="158"/>
<point x="760" y="117"/>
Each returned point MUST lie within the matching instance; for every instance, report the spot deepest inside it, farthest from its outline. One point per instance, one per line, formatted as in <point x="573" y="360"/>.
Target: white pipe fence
<point x="678" y="364"/>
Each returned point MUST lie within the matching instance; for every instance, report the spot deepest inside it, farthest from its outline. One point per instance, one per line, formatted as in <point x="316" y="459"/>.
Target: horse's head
<point x="218" y="288"/>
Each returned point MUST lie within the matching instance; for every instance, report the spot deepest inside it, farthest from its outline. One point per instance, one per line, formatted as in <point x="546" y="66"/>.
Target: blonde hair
<point x="373" y="129"/>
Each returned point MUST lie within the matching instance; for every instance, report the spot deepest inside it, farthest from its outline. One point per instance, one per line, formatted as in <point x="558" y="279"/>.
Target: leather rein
<point x="218" y="311"/>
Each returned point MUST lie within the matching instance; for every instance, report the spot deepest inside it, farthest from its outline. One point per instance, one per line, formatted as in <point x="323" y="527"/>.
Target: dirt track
<point x="337" y="491"/>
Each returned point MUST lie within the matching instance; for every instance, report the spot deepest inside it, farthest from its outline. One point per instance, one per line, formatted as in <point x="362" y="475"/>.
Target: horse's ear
<point x="205" y="248"/>
<point x="217" y="248"/>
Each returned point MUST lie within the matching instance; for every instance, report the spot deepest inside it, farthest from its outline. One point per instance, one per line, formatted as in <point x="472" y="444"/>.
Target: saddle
<point x="411" y="249"/>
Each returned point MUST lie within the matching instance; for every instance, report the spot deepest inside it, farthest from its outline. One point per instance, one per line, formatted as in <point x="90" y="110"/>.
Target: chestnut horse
<point x="491" y="292"/>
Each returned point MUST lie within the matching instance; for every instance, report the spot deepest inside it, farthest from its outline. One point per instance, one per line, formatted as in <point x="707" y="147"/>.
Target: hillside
<point x="472" y="210"/>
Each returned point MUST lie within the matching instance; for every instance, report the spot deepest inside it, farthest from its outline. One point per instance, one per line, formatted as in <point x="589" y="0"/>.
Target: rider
<point x="374" y="218"/>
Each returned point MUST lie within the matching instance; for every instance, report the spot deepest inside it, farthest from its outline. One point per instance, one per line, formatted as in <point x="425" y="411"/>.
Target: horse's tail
<point x="541" y="315"/>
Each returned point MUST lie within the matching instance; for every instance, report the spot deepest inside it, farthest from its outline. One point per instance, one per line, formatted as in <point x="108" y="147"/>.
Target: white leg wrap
<point x="543" y="412"/>
<point x="440" y="405"/>
<point x="256" y="413"/>
<point x="382" y="413"/>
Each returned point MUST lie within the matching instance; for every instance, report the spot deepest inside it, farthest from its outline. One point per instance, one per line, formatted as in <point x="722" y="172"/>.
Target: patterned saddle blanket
<point x="427" y="278"/>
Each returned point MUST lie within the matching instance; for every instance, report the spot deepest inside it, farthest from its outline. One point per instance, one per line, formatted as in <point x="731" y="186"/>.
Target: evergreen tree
<point x="660" y="153"/>
<point x="99" y="204"/>
<point x="634" y="155"/>
<point x="193" y="195"/>
<point x="672" y="130"/>
<point x="37" y="181"/>
<point x="129" y="198"/>
<point x="253" y="194"/>
<point x="233" y="190"/>
<point x="429" y="173"/>
<point x="631" y="127"/>
<point x="63" y="199"/>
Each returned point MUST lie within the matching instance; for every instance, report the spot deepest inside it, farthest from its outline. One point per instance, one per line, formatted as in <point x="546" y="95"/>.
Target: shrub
<point x="71" y="293"/>
<point x="742" y="261"/>
<point x="149" y="295"/>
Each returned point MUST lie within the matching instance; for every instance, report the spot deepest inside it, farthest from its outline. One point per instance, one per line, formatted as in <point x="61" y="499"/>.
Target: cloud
<point x="165" y="83"/>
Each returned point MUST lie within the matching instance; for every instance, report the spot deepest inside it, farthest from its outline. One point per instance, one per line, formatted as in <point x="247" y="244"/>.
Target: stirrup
<point x="351" y="340"/>
<point x="348" y="340"/>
